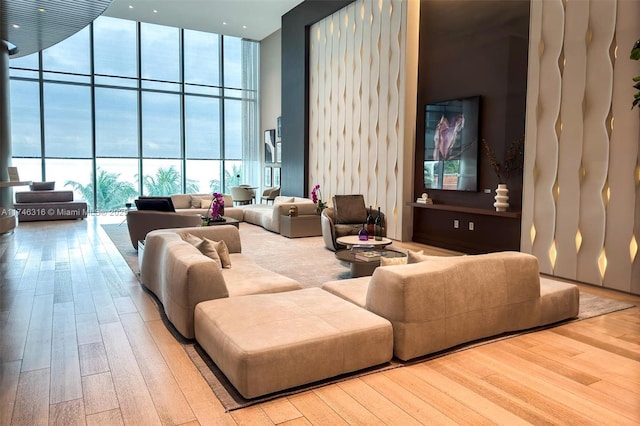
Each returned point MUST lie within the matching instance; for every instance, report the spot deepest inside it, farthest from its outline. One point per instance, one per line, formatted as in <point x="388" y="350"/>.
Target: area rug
<point x="306" y="260"/>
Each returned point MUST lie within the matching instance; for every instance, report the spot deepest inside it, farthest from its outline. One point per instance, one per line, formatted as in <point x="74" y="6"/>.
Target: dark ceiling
<point x="33" y="25"/>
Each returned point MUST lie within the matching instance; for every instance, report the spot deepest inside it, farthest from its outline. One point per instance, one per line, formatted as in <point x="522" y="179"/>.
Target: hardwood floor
<point x="81" y="343"/>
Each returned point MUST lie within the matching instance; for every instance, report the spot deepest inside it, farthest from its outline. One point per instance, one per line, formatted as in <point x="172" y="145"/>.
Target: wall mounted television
<point x="451" y="144"/>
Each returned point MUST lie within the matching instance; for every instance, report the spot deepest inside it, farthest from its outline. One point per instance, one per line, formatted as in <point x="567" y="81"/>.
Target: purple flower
<point x="217" y="205"/>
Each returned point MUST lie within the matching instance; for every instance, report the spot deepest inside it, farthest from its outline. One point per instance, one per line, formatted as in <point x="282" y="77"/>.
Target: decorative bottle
<point x="379" y="226"/>
<point x="371" y="223"/>
<point x="363" y="235"/>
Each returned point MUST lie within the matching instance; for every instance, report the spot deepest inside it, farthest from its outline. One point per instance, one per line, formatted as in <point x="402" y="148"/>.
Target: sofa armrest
<point x="327" y="223"/>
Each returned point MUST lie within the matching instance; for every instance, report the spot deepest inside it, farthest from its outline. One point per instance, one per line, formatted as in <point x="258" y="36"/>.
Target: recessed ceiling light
<point x="224" y="23"/>
<point x="244" y="26"/>
<point x="155" y="11"/>
<point x="42" y="9"/>
<point x="130" y="7"/>
<point x="16" y="26"/>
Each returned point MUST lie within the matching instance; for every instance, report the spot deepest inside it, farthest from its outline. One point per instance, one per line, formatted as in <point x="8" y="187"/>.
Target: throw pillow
<point x="386" y="261"/>
<point x="349" y="208"/>
<point x="223" y="252"/>
<point x="208" y="248"/>
<point x="204" y="203"/>
<point x="192" y="239"/>
<point x="419" y="256"/>
<point x="281" y="199"/>
<point x="42" y="186"/>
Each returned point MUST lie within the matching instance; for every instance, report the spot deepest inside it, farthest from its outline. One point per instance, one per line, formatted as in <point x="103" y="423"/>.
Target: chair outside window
<point x="270" y="194"/>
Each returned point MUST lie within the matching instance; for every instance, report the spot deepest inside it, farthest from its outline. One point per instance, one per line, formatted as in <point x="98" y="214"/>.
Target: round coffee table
<point x="362" y="268"/>
<point x="353" y="240"/>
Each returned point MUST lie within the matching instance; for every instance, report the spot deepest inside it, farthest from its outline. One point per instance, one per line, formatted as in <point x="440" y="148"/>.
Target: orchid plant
<point x="216" y="209"/>
<point x="316" y="197"/>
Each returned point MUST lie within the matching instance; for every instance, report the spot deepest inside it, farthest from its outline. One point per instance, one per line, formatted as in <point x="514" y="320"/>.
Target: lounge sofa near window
<point x="268" y="216"/>
<point x="268" y="343"/>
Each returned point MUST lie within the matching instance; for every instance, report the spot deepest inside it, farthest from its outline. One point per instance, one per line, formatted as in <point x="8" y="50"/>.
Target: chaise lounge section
<point x="181" y="276"/>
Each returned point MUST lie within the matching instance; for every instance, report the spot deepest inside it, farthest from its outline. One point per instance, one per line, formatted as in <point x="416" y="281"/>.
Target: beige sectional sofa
<point x="199" y="204"/>
<point x="267" y="343"/>
<point x="181" y="276"/>
<point x="268" y="216"/>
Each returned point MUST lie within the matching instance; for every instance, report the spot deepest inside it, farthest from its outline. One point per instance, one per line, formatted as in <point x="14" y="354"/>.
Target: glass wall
<point x="125" y="108"/>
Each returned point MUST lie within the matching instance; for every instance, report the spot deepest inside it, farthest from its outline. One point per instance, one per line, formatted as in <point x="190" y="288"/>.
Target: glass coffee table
<point x="362" y="268"/>
<point x="353" y="240"/>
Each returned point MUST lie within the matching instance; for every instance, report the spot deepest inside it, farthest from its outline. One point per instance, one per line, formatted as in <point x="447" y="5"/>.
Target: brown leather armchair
<point x="345" y="218"/>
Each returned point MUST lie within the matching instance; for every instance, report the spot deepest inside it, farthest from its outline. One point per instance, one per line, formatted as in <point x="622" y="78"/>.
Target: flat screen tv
<point x="451" y="144"/>
<point x="161" y="204"/>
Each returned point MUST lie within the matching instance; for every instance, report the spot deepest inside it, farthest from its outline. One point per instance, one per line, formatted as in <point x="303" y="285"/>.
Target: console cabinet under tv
<point x="434" y="224"/>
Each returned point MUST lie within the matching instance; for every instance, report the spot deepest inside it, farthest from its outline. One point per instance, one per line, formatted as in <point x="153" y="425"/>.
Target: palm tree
<point x="111" y="193"/>
<point x="167" y="181"/>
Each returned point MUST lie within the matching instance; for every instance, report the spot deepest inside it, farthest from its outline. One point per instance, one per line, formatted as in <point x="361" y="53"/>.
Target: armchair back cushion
<point x="349" y="208"/>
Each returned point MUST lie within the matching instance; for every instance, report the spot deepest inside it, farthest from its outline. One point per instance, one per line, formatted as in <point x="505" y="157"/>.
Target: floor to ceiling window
<point x="125" y="108"/>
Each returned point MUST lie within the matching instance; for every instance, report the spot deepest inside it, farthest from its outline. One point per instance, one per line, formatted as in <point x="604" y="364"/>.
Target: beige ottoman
<point x="269" y="342"/>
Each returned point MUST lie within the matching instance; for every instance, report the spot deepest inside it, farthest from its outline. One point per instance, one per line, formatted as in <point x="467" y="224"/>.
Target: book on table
<point x="369" y="256"/>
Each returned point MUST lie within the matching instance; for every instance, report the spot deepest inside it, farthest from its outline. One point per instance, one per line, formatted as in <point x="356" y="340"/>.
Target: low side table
<point x="306" y="225"/>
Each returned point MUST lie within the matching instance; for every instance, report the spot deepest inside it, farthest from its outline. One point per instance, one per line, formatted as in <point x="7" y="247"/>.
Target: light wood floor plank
<point x="404" y="398"/>
<point x="251" y="416"/>
<point x="93" y="359"/>
<point x="381" y="407"/>
<point x="99" y="393"/>
<point x="32" y="398"/>
<point x="280" y="411"/>
<point x="68" y="413"/>
<point x="66" y="384"/>
<point x="87" y="327"/>
<point x="14" y="333"/>
<point x="37" y="351"/>
<point x="135" y="401"/>
<point x="171" y="405"/>
<point x="106" y="418"/>
<point x="202" y="400"/>
<point x="315" y="409"/>
<point x="345" y="406"/>
<point x="467" y="396"/>
<point x="9" y="376"/>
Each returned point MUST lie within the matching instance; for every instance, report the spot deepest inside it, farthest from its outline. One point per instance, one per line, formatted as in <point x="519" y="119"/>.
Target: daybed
<point x="181" y="276"/>
<point x="268" y="216"/>
<point x="43" y="202"/>
<point x="267" y="343"/>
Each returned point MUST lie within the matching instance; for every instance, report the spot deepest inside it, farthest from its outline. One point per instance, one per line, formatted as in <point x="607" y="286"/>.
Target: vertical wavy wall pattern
<point x="356" y="130"/>
<point x="581" y="203"/>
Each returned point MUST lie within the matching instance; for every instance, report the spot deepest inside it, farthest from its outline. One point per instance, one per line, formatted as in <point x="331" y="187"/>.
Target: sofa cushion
<point x="181" y="201"/>
<point x="45" y="196"/>
<point x="283" y="199"/>
<point x="349" y="208"/>
<point x="220" y="247"/>
<point x="208" y="248"/>
<point x="42" y="186"/>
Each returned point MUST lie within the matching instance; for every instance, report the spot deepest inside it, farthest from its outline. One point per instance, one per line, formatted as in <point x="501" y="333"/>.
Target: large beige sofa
<point x="181" y="276"/>
<point x="268" y="216"/>
<point x="267" y="343"/>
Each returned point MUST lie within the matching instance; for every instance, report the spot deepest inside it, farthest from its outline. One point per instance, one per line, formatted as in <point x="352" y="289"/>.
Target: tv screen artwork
<point x="451" y="144"/>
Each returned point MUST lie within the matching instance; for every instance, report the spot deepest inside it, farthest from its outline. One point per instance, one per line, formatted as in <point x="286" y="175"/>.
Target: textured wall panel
<point x="357" y="143"/>
<point x="581" y="183"/>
